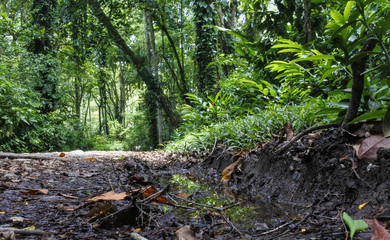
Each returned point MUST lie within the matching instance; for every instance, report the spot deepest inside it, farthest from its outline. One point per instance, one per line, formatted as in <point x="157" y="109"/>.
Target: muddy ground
<point x="299" y="193"/>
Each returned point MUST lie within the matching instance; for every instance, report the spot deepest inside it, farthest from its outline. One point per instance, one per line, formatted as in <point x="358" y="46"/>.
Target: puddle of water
<point x="207" y="204"/>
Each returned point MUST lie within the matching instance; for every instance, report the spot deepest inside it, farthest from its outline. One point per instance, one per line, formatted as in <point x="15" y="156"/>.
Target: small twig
<point x="136" y="236"/>
<point x="276" y="229"/>
<point x="23" y="231"/>
<point x="357" y="175"/>
<point x="304" y="132"/>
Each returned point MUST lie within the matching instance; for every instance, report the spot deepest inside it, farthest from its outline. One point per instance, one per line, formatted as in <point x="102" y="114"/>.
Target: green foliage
<point x="354" y="225"/>
<point x="250" y="130"/>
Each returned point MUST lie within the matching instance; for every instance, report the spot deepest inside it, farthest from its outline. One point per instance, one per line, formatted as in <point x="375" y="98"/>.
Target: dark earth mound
<point x="298" y="194"/>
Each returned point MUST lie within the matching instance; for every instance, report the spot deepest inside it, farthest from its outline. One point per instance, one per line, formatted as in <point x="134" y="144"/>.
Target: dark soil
<point x="298" y="194"/>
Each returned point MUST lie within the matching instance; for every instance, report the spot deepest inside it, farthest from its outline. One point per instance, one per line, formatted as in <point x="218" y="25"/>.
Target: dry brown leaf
<point x="379" y="232"/>
<point x="109" y="196"/>
<point x="368" y="148"/>
<point x="228" y="171"/>
<point x="61" y="154"/>
<point x="150" y="190"/>
<point x="91" y="159"/>
<point x="185" y="233"/>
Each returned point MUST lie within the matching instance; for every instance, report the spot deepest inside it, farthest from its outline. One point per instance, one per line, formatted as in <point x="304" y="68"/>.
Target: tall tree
<point x="43" y="17"/>
<point x="205" y="45"/>
<point x="152" y="84"/>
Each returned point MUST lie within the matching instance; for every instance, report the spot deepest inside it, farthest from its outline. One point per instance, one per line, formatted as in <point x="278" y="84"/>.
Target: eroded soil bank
<point x="298" y="194"/>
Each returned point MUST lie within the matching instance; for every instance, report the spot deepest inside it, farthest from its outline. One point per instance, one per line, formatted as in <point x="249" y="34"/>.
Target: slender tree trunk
<point x="155" y="72"/>
<point x="307" y="19"/>
<point x="183" y="87"/>
<point x="358" y="69"/>
<point x="152" y="106"/>
<point x="152" y="85"/>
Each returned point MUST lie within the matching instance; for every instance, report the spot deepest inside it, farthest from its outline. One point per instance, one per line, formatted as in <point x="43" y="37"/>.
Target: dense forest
<point x="186" y="75"/>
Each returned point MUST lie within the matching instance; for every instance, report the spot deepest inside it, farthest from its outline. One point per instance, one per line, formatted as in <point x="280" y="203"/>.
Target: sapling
<point x="354" y="225"/>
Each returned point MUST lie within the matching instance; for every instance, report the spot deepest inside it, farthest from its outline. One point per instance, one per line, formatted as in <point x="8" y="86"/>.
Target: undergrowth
<point x="250" y="130"/>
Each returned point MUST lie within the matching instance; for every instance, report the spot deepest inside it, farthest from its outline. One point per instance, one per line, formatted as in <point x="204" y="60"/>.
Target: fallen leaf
<point x="91" y="159"/>
<point x="368" y="148"/>
<point x="61" y="154"/>
<point x="379" y="232"/>
<point x="109" y="196"/>
<point x="228" y="171"/>
<point x="361" y="206"/>
<point x="185" y="233"/>
<point x="150" y="190"/>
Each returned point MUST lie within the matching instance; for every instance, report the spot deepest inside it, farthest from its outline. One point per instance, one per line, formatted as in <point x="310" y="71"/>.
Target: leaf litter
<point x="298" y="194"/>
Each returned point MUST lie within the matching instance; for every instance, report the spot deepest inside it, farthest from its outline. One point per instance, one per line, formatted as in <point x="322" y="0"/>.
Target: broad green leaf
<point x="292" y="45"/>
<point x="267" y="84"/>
<point x="354" y="225"/>
<point x="347" y="10"/>
<point x="289" y="50"/>
<point x="369" y="116"/>
<point x="337" y="17"/>
<point x="332" y="26"/>
<point x="328" y="72"/>
<point x="232" y="32"/>
<point x="386" y="123"/>
<point x="382" y="27"/>
<point x="314" y="58"/>
<point x="273" y="93"/>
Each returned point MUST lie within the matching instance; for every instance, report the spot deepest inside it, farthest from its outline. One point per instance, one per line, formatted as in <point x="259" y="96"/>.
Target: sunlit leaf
<point x="337" y="17"/>
<point x="347" y="10"/>
<point x="314" y="58"/>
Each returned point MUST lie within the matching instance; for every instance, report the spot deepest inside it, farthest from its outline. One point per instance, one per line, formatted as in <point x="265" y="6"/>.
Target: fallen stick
<point x="23" y="231"/>
<point x="303" y="133"/>
<point x="31" y="155"/>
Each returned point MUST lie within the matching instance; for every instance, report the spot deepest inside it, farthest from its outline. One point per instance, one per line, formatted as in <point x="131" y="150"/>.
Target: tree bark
<point x="183" y="88"/>
<point x="152" y="85"/>
<point x="358" y="69"/>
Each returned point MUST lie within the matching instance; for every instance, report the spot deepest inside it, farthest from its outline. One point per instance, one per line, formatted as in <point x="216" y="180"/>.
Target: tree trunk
<point x="43" y="18"/>
<point x="183" y="87"/>
<point x="152" y="85"/>
<point x="358" y="69"/>
<point x="205" y="46"/>
<point x="152" y="106"/>
<point x="307" y="25"/>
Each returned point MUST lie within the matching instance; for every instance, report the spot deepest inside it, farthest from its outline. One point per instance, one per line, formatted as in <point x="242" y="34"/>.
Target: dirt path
<point x="299" y="194"/>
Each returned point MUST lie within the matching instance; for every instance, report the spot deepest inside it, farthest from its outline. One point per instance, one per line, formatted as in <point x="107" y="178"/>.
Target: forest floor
<point x="300" y="193"/>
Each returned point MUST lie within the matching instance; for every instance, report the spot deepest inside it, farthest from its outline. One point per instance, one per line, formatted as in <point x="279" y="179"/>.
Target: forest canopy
<point x="186" y="75"/>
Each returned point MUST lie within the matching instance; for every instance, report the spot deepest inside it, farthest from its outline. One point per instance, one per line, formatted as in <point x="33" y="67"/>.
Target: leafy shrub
<point x="250" y="130"/>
